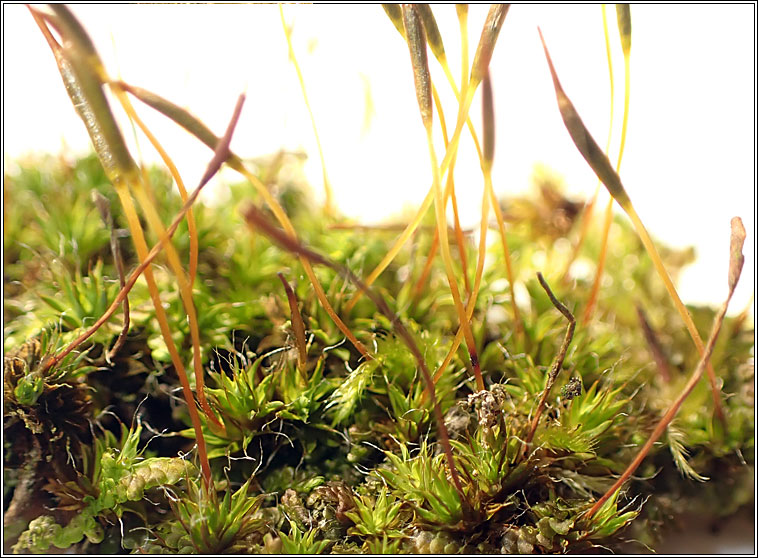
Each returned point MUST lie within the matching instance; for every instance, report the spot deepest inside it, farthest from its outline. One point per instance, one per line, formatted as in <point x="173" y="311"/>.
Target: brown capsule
<point x="490" y="32"/>
<point x="414" y="32"/>
<point x="395" y="13"/>
<point x="83" y="74"/>
<point x="298" y="326"/>
<point x="488" y="120"/>
<point x="624" y="18"/>
<point x="433" y="36"/>
<point x="175" y="113"/>
<point x="736" y="259"/>
<point x="584" y="141"/>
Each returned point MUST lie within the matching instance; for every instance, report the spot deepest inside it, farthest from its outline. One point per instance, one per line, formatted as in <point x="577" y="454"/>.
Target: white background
<point x="690" y="153"/>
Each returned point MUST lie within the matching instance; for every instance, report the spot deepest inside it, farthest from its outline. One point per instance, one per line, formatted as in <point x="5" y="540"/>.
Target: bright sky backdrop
<point x="689" y="163"/>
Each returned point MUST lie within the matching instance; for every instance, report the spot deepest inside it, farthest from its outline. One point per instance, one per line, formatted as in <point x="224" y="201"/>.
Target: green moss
<point x="313" y="447"/>
<point x="362" y="421"/>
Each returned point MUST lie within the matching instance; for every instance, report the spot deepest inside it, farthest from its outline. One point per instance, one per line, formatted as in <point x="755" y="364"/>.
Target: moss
<point x="312" y="443"/>
<point x="353" y="423"/>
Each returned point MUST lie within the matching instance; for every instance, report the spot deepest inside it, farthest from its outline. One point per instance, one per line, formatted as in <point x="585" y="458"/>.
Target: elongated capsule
<point x="179" y="115"/>
<point x="395" y="13"/>
<point x="488" y="121"/>
<point x="736" y="259"/>
<point x="414" y="32"/>
<point x="584" y="141"/>
<point x="490" y="32"/>
<point x="298" y="326"/>
<point x="433" y="36"/>
<point x="624" y="18"/>
<point x="83" y="75"/>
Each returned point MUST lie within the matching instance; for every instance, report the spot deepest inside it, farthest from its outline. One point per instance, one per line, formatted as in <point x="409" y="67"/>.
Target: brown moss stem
<point x="103" y="207"/>
<point x="298" y="327"/>
<point x="557" y="363"/>
<point x="736" y="262"/>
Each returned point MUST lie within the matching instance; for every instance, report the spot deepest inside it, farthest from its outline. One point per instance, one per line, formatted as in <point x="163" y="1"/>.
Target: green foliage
<point x="558" y="525"/>
<point x="245" y="404"/>
<point x="51" y="402"/>
<point x="581" y="427"/>
<point x="306" y="428"/>
<point x="38" y="226"/>
<point x="254" y="400"/>
<point x="72" y="299"/>
<point x="423" y="482"/>
<point x="203" y="524"/>
<point x="347" y="396"/>
<point x="489" y="462"/>
<point x="384" y="545"/>
<point x="303" y="399"/>
<point x="609" y="519"/>
<point x="118" y="477"/>
<point x="298" y="542"/>
<point x="675" y="439"/>
<point x="376" y="517"/>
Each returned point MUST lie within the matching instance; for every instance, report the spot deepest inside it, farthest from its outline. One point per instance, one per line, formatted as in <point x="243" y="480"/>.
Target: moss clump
<point x="341" y="454"/>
